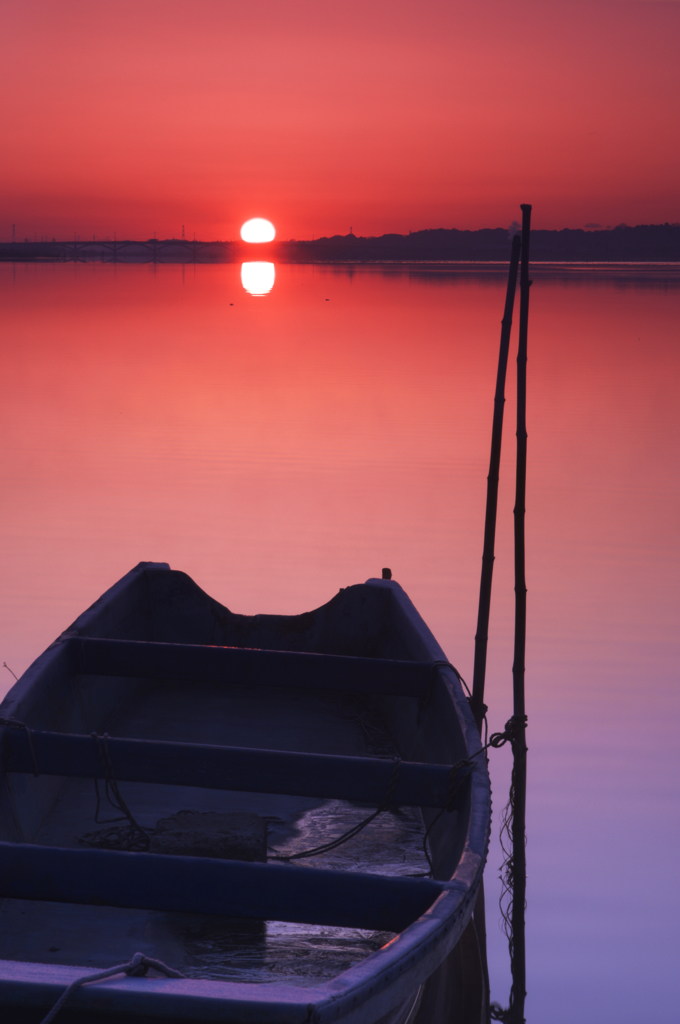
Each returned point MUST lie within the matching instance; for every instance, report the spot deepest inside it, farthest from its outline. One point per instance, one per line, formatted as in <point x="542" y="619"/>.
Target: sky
<point x="144" y="116"/>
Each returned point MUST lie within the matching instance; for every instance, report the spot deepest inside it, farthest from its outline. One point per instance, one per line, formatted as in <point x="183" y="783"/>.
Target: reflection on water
<point x="278" y="451"/>
<point x="304" y="953"/>
<point x="258" y="278"/>
<point x="283" y="952"/>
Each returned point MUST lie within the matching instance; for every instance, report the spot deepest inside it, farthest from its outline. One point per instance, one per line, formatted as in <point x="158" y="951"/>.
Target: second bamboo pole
<point x="519" y="746"/>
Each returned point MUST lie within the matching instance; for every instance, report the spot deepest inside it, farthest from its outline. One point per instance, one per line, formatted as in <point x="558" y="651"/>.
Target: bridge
<point x="153" y="250"/>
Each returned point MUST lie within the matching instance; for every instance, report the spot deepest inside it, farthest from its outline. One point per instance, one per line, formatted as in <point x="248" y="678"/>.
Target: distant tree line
<point x="641" y="244"/>
<point x="647" y="242"/>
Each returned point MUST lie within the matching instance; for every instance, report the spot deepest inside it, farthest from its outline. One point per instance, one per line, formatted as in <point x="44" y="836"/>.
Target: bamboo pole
<point x="518" y="992"/>
<point x="482" y="635"/>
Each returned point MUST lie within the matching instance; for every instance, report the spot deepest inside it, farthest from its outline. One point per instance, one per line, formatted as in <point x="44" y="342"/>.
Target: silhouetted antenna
<point x="183" y="231"/>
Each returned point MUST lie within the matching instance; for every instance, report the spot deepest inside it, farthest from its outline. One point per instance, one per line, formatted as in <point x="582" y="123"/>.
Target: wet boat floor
<point x="209" y="946"/>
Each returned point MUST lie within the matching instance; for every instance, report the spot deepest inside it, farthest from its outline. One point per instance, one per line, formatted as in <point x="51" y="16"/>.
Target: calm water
<point x="280" y="447"/>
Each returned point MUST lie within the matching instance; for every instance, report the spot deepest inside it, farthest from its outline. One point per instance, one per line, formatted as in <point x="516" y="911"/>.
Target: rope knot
<point x="513" y="732"/>
<point x="138" y="966"/>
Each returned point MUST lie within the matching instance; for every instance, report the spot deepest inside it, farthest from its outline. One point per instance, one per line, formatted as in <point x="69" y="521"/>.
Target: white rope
<point x="137" y="967"/>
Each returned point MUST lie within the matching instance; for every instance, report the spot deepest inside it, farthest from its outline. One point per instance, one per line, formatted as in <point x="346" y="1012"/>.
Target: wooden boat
<point x="308" y="723"/>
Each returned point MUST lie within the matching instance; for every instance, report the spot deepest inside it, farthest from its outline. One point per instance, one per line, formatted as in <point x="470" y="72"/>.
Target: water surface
<point x="279" y="447"/>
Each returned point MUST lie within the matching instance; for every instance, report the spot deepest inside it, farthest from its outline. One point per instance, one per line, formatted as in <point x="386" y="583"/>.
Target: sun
<point x="258" y="230"/>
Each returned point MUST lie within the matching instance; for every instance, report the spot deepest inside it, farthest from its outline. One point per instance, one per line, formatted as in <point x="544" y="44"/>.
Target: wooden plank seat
<point x="146" y="660"/>
<point x="201" y="885"/>
<point x="240" y="769"/>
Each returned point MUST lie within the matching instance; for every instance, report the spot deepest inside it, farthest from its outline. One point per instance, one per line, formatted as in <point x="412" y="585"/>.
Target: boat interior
<point x="76" y="690"/>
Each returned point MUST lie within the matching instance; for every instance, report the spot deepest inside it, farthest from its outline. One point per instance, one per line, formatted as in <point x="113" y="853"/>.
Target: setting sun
<point x="258" y="230"/>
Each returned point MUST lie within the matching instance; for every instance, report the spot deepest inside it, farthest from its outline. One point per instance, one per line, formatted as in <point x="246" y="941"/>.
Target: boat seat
<point x="207" y="886"/>
<point x="237" y="769"/>
<point x="148" y="660"/>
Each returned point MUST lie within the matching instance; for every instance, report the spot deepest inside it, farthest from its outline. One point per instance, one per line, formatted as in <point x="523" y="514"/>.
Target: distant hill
<point x="647" y="242"/>
<point x="642" y="244"/>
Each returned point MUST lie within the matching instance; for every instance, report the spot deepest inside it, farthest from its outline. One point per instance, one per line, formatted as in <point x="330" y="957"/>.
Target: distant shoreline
<point x="657" y="244"/>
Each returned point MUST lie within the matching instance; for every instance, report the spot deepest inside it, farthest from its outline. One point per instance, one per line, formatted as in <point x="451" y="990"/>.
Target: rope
<point x="122" y="837"/>
<point x="450" y="796"/>
<point x="11" y="723"/>
<point x="513" y="734"/>
<point x="508" y="1015"/>
<point x="136" y="968"/>
<point x="357" y="708"/>
<point x="447" y="664"/>
<point x="514" y="729"/>
<point x="356" y="829"/>
<point x="424" y="701"/>
<point x="510" y="734"/>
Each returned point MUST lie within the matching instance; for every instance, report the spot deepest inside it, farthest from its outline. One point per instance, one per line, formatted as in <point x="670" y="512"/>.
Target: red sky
<point x="140" y="116"/>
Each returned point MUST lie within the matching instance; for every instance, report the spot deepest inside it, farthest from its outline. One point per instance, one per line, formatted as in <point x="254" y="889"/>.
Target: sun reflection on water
<point x="258" y="278"/>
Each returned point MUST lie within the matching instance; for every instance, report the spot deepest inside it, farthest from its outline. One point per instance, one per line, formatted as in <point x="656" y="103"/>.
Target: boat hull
<point x="425" y="973"/>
